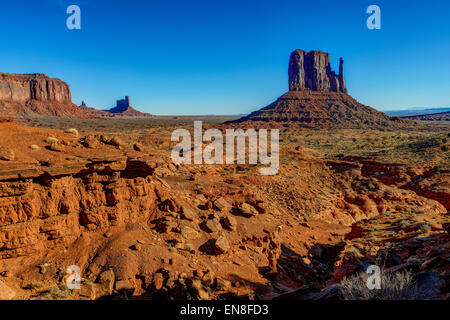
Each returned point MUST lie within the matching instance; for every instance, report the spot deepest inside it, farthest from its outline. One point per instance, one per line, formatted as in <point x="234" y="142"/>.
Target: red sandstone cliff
<point x="25" y="94"/>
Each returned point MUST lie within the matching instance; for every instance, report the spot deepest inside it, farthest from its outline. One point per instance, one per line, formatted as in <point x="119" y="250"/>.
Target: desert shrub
<point x="72" y="131"/>
<point x="405" y="223"/>
<point x="394" y="286"/>
<point x="51" y="140"/>
<point x="425" y="228"/>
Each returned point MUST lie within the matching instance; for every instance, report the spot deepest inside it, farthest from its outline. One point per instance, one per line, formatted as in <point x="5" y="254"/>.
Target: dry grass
<point x="405" y="147"/>
<point x="394" y="286"/>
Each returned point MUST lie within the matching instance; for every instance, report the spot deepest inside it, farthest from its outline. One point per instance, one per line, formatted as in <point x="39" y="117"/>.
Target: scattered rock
<point x="6" y="154"/>
<point x="123" y="285"/>
<point x="220" y="204"/>
<point x="136" y="247"/>
<point x="189" y="233"/>
<point x="187" y="213"/>
<point x="89" y="290"/>
<point x="212" y="225"/>
<point x="158" y="280"/>
<point x="117" y="142"/>
<point x="90" y="142"/>
<point x="222" y="245"/>
<point x="56" y="147"/>
<point x="230" y="222"/>
<point x="248" y="210"/>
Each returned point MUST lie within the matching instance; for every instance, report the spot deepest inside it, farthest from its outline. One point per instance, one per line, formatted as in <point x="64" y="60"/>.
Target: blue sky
<point x="228" y="56"/>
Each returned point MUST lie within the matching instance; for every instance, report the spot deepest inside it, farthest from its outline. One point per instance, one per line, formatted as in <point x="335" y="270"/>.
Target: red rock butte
<point x="317" y="98"/>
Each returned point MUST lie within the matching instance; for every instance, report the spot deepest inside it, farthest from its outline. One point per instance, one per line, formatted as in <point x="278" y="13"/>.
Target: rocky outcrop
<point x="310" y="70"/>
<point x="25" y="94"/>
<point x="36" y="86"/>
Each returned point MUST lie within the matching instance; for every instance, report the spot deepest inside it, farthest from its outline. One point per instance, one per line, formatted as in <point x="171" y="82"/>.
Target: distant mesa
<point x="317" y="98"/>
<point x="35" y="94"/>
<point x="123" y="109"/>
<point x="25" y="95"/>
<point x="440" y="116"/>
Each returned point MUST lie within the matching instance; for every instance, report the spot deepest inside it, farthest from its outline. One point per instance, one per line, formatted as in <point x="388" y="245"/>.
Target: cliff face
<point x="310" y="70"/>
<point x="22" y="95"/>
<point x="37" y="86"/>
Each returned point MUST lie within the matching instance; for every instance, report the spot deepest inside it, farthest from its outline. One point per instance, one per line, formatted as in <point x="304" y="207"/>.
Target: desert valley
<point x="97" y="189"/>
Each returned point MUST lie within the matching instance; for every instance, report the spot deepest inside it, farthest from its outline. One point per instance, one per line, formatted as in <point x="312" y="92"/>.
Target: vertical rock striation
<point x="36" y="86"/>
<point x="25" y="95"/>
<point x="310" y="70"/>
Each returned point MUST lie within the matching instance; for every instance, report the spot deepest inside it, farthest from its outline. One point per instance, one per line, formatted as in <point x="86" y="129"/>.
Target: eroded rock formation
<point x="26" y="94"/>
<point x="310" y="70"/>
<point x="317" y="98"/>
<point x="36" y="86"/>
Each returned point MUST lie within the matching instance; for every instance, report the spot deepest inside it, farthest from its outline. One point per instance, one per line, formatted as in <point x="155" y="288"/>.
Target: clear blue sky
<point x="228" y="56"/>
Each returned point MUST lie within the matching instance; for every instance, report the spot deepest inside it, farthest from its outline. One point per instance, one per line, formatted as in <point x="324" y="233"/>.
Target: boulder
<point x="222" y="245"/>
<point x="248" y="210"/>
<point x="6" y="154"/>
<point x="212" y="225"/>
<point x="158" y="280"/>
<point x="189" y="233"/>
<point x="55" y="146"/>
<point x="187" y="213"/>
<point x="230" y="222"/>
<point x="124" y="285"/>
<point x="117" y="142"/>
<point x="91" y="142"/>
<point x="220" y="204"/>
